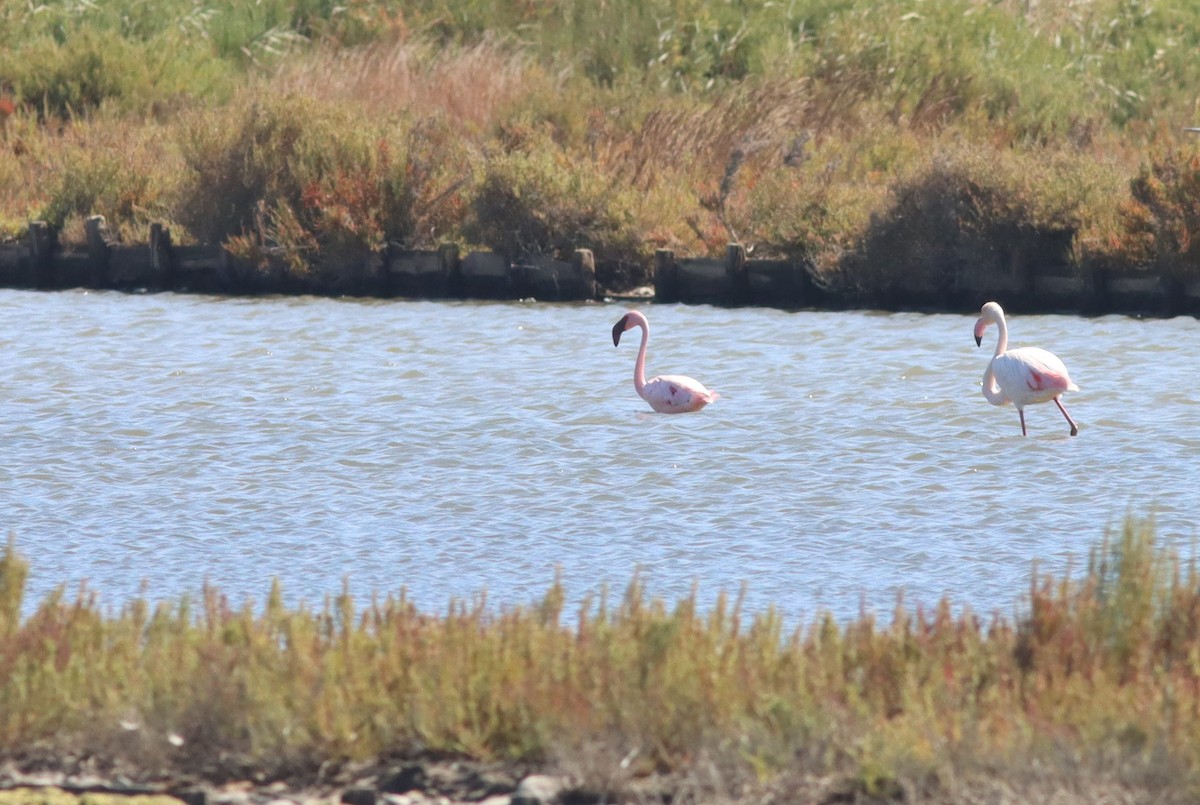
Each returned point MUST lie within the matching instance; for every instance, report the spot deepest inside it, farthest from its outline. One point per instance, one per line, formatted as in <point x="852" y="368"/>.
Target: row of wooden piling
<point x="446" y="273"/>
<point x="162" y="265"/>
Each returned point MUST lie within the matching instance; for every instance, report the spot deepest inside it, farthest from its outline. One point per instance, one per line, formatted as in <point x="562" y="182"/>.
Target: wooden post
<point x="1022" y="271"/>
<point x="99" y="253"/>
<point x="162" y="267"/>
<point x="41" y="248"/>
<point x="1095" y="290"/>
<point x="584" y="263"/>
<point x="775" y="283"/>
<point x="735" y="268"/>
<point x="486" y="275"/>
<point x="451" y="268"/>
<point x="666" y="276"/>
<point x="1172" y="292"/>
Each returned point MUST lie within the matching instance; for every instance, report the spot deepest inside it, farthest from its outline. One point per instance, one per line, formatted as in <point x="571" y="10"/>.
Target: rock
<point x="231" y="797"/>
<point x="409" y="778"/>
<point x="538" y="789"/>
<point x="398" y="799"/>
<point x="191" y="796"/>
<point x="359" y="796"/>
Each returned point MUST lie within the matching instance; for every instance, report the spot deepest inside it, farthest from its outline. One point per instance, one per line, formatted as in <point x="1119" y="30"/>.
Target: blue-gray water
<point x="458" y="448"/>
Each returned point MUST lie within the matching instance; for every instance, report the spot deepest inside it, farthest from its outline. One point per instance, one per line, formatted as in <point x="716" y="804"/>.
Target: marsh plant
<point x="1095" y="677"/>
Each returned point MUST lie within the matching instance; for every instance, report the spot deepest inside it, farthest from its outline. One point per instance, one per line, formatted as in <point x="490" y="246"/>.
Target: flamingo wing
<point x="671" y="394"/>
<point x="1031" y="374"/>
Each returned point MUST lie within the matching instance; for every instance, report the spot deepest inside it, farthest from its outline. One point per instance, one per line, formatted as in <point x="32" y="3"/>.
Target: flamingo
<point x="667" y="394"/>
<point x="1021" y="376"/>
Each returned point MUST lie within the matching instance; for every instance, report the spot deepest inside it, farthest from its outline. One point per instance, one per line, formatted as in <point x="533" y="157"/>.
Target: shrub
<point x="68" y="79"/>
<point x="693" y="162"/>
<point x="241" y="158"/>
<point x="967" y="209"/>
<point x="1161" y="219"/>
<point x="96" y="168"/>
<point x="315" y="182"/>
<point x="537" y="199"/>
<point x="812" y="199"/>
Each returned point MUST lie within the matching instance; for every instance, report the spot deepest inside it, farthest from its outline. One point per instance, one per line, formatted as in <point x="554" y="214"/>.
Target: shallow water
<point x="152" y="443"/>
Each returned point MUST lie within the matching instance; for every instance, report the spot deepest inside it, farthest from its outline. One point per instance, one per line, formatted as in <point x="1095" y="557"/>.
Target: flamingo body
<point x="1021" y="376"/>
<point x="676" y="394"/>
<point x="667" y="394"/>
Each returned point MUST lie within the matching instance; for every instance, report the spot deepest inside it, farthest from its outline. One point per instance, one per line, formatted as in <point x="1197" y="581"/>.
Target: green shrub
<point x="62" y="80"/>
<point x="537" y="199"/>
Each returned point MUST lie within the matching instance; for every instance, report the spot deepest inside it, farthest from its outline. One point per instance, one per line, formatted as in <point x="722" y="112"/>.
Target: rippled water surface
<point x="152" y="443"/>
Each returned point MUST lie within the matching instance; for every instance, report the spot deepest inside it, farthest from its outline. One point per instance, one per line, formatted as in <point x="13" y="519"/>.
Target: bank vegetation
<point x="1091" y="684"/>
<point x="876" y="142"/>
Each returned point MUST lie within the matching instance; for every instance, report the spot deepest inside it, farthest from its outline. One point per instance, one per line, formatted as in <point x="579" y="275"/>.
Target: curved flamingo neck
<point x="1002" y="337"/>
<point x="991" y="389"/>
<point x="639" y="368"/>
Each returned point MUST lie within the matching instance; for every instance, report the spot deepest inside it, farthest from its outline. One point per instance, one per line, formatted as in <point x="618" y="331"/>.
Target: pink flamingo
<point x="1021" y="376"/>
<point x="667" y="394"/>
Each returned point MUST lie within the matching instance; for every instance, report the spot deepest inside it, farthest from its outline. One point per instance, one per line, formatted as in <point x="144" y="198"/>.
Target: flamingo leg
<point x="1071" y="422"/>
<point x="1021" y="411"/>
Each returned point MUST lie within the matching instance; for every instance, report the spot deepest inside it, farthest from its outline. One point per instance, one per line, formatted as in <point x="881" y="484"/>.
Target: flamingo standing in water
<point x="667" y="394"/>
<point x="1021" y="376"/>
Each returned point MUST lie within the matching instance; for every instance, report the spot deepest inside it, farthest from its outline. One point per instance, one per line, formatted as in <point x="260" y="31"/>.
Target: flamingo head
<point x="620" y="327"/>
<point x="990" y="313"/>
<point x="631" y="319"/>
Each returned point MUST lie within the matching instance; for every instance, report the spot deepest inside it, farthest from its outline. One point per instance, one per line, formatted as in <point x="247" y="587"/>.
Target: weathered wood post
<point x="666" y="276"/>
<point x="584" y="263"/>
<point x="417" y="273"/>
<point x="1095" y="290"/>
<point x="776" y="282"/>
<point x="41" y="253"/>
<point x="1172" y="294"/>
<point x="1023" y="272"/>
<point x="1191" y="297"/>
<point x="14" y="265"/>
<point x="451" y="262"/>
<point x="162" y="266"/>
<point x="735" y="268"/>
<point x="99" y="253"/>
<point x="485" y="275"/>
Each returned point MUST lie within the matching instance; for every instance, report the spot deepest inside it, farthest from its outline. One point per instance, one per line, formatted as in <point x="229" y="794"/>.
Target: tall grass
<point x="1038" y="69"/>
<point x="1097" y="675"/>
<point x="470" y="86"/>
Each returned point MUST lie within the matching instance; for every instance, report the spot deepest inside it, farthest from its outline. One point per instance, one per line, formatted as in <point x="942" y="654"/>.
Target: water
<point x="153" y="443"/>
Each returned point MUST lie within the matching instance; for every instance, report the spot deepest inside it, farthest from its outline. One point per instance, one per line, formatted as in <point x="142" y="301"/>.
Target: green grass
<point x="1096" y="676"/>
